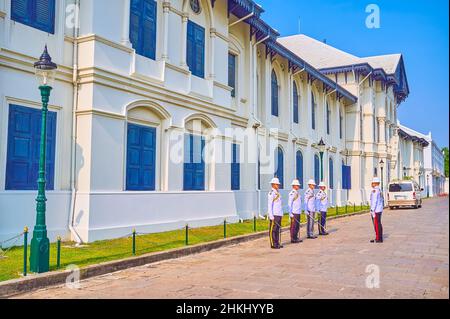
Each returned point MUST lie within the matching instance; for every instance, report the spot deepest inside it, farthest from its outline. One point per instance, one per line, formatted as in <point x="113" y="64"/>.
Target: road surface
<point x="413" y="262"/>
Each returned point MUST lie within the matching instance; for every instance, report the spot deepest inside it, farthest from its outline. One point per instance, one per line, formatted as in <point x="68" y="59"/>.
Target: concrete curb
<point x="34" y="282"/>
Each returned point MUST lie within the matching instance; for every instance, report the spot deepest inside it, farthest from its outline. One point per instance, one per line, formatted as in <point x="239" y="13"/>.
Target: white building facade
<point x="181" y="111"/>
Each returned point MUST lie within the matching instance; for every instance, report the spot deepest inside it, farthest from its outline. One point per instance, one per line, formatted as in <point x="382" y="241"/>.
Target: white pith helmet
<point x="275" y="180"/>
<point x="376" y="180"/>
<point x="311" y="182"/>
<point x="295" y="182"/>
<point x="322" y="184"/>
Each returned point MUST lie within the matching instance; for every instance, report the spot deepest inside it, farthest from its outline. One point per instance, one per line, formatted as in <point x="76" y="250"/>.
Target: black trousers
<point x="275" y="231"/>
<point x="323" y="223"/>
<point x="295" y="227"/>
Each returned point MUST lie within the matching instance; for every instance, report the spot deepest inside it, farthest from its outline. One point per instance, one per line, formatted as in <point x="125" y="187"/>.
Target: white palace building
<point x="144" y="88"/>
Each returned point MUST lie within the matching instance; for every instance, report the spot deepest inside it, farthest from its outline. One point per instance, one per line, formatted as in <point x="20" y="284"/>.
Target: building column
<point x="212" y="46"/>
<point x="184" y="19"/>
<point x="165" y="53"/>
<point x="126" y="24"/>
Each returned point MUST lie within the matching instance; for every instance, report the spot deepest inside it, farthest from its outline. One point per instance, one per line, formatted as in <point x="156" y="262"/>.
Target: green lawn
<point x="11" y="266"/>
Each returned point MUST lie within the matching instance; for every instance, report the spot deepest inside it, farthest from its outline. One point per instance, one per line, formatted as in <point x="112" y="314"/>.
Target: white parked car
<point x="404" y="193"/>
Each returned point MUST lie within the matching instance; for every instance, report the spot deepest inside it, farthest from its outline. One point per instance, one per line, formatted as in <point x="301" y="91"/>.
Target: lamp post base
<point x="40" y="252"/>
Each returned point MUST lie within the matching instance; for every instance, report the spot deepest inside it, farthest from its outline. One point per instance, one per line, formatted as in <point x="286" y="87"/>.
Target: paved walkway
<point x="413" y="262"/>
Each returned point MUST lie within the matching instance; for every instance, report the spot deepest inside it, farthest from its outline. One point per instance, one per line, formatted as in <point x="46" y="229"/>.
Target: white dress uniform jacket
<point x="322" y="201"/>
<point x="295" y="203"/>
<point x="310" y="204"/>
<point x="274" y="204"/>
<point x="376" y="201"/>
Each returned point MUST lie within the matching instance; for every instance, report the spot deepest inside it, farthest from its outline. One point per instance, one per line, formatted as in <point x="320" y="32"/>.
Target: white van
<point x="404" y="193"/>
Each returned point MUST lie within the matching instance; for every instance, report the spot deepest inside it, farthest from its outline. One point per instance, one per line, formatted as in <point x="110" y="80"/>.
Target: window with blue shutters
<point x="274" y="92"/>
<point x="235" y="169"/>
<point x="313" y="111"/>
<point x="316" y="170"/>
<point x="141" y="158"/>
<point x="299" y="167"/>
<point x="194" y="164"/>
<point x="331" y="172"/>
<point x="39" y="14"/>
<point x="143" y="27"/>
<point x="346" y="177"/>
<point x="195" y="55"/>
<point x="279" y="161"/>
<point x="232" y="73"/>
<point x="295" y="102"/>
<point x="24" y="133"/>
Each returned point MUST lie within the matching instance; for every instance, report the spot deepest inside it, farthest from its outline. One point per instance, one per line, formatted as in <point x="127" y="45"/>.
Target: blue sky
<point x="418" y="29"/>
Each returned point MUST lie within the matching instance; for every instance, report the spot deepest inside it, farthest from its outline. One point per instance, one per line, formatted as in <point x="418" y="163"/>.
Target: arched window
<point x="328" y="118"/>
<point x="274" y="94"/>
<point x="279" y="161"/>
<point x="299" y="167"/>
<point x="316" y="169"/>
<point x="331" y="172"/>
<point x="295" y="102"/>
<point x="313" y="111"/>
<point x="194" y="164"/>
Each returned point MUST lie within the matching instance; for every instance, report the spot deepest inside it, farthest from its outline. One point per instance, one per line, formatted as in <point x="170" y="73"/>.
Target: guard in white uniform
<point x="376" y="209"/>
<point x="310" y="209"/>
<point x="295" y="210"/>
<point x="275" y="212"/>
<point x="322" y="207"/>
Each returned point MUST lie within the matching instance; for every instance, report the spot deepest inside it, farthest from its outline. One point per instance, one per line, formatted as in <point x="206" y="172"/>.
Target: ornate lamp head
<point x="321" y="146"/>
<point x="45" y="69"/>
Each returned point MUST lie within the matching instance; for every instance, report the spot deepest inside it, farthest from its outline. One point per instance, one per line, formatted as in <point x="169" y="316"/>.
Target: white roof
<point x="322" y="55"/>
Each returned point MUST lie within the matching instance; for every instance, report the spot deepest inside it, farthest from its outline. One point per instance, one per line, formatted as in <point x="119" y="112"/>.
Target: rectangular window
<point x="39" y="14"/>
<point x="143" y="27"/>
<point x="232" y="73"/>
<point x="24" y="132"/>
<point x="141" y="158"/>
<point x="346" y="177"/>
<point x="341" y="122"/>
<point x="235" y="169"/>
<point x="196" y="49"/>
<point x="194" y="164"/>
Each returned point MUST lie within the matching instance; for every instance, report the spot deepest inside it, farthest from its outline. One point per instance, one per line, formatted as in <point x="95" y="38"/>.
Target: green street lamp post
<point x="322" y="147"/>
<point x="381" y="168"/>
<point x="40" y="244"/>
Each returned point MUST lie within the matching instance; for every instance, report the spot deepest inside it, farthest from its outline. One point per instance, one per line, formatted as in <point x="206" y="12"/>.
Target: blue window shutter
<point x="143" y="16"/>
<point x="24" y="148"/>
<point x="280" y="166"/>
<point x="195" y="55"/>
<point x="316" y="169"/>
<point x="232" y="73"/>
<point x="235" y="168"/>
<point x="190" y="54"/>
<point x="194" y="164"/>
<point x="295" y="100"/>
<point x="349" y="177"/>
<point x="274" y="94"/>
<point x="344" y="178"/>
<point x="135" y="25"/>
<point x="21" y="11"/>
<point x="200" y="51"/>
<point x="44" y="15"/>
<point x="299" y="158"/>
<point x="141" y="158"/>
<point x="148" y="32"/>
<point x="331" y="172"/>
<point x="39" y="14"/>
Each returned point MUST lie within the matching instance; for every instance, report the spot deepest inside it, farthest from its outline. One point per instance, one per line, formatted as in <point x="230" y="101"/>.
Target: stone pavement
<point x="413" y="262"/>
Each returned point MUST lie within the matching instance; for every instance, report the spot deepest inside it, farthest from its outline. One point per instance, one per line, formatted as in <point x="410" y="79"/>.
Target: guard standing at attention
<point x="376" y="209"/>
<point x="275" y="212"/>
<point x="322" y="207"/>
<point x="310" y="209"/>
<point x="295" y="210"/>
